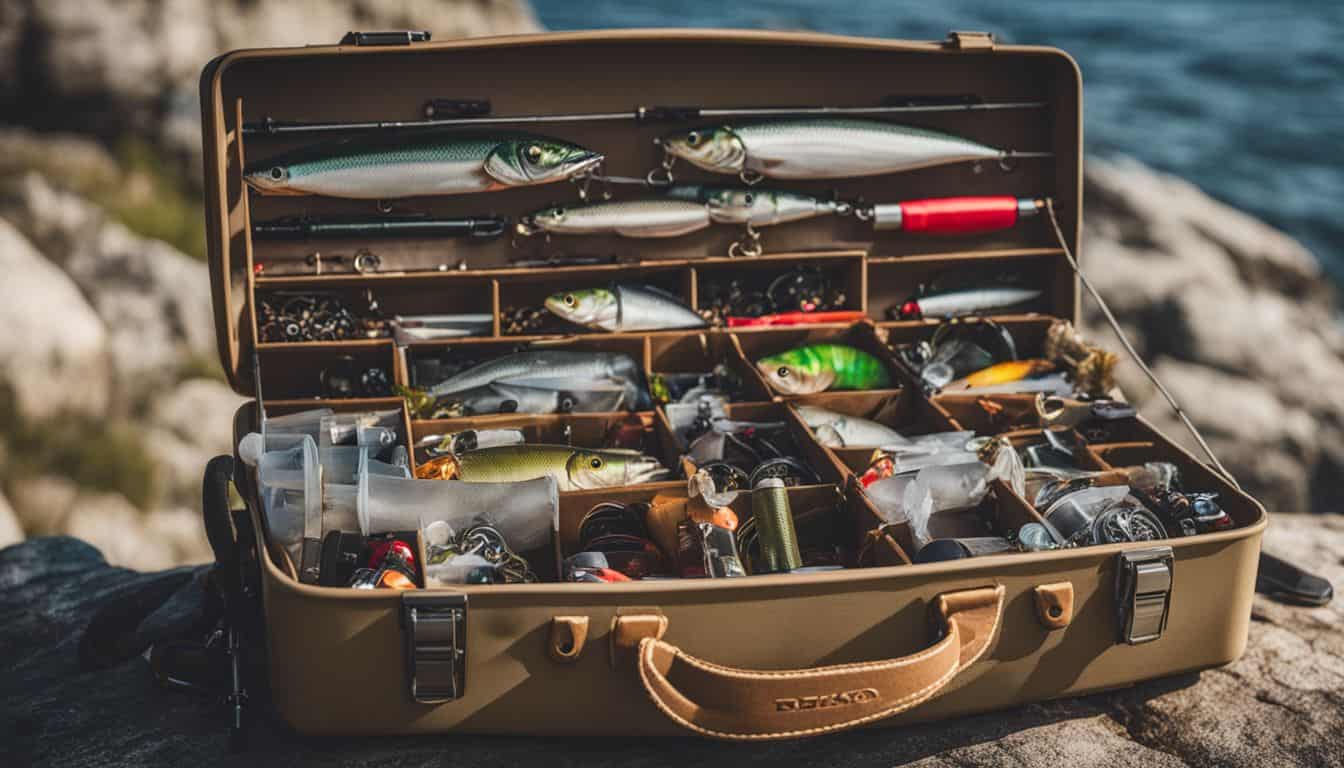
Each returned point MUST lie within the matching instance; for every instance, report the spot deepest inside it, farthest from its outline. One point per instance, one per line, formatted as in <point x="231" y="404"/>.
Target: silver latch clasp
<point x="435" y="627"/>
<point x="1143" y="593"/>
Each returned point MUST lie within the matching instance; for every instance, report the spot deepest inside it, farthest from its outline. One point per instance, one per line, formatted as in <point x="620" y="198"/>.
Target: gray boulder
<point x="53" y="351"/>
<point x="153" y="300"/>
<point x="10" y="531"/>
<point x="1236" y="318"/>
<point x="134" y="64"/>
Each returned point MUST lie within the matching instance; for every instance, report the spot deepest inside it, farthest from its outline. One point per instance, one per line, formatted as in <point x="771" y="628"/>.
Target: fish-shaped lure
<point x="839" y="430"/>
<point x="543" y="364"/>
<point x="574" y="469"/>
<point x="628" y="218"/>
<point x="623" y="308"/>
<point x="681" y="211"/>
<point x="820" y="148"/>
<point x="968" y="301"/>
<point x="434" y="165"/>
<point x="757" y="207"/>
<point x="814" y="368"/>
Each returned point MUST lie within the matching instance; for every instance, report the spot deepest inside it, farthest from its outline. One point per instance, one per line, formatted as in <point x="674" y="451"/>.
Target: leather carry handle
<point x="748" y="705"/>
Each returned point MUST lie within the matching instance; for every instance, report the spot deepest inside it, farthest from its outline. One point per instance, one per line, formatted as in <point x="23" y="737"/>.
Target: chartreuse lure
<point x="818" y="367"/>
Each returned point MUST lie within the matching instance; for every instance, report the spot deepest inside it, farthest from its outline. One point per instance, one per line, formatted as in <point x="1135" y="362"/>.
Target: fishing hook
<point x="749" y="245"/>
<point x="750" y="177"/>
<point x="665" y="179"/>
<point x="1006" y="161"/>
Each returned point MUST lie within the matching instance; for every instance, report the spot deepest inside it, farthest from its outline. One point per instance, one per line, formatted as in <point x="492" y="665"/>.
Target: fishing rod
<point x="302" y="228"/>
<point x="642" y="114"/>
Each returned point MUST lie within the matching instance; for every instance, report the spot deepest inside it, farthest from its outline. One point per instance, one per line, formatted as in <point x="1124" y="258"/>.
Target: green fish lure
<point x="814" y="368"/>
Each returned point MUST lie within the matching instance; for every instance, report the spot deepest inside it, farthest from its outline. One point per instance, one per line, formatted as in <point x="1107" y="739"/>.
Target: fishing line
<point x="1129" y="348"/>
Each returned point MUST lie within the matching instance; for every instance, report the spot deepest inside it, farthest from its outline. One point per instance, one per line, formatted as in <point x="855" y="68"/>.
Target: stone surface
<point x="1282" y="703"/>
<point x="189" y="426"/>
<point x="153" y="300"/>
<point x="53" y="354"/>
<point x="10" y="530"/>
<point x="134" y="65"/>
<point x="1236" y="318"/>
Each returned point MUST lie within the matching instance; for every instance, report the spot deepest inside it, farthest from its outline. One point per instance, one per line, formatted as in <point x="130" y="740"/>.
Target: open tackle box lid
<point x="620" y="71"/>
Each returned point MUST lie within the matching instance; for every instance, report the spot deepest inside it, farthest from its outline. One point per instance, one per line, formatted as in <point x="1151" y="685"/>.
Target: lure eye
<point x="569" y="300"/>
<point x="534" y="153"/>
<point x="277" y="173"/>
<point x="783" y="372"/>
<point x="693" y="139"/>
<point x="595" y="463"/>
<point x="748" y="198"/>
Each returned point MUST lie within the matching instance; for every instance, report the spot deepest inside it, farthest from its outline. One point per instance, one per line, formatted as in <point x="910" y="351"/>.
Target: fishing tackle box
<point x="753" y="658"/>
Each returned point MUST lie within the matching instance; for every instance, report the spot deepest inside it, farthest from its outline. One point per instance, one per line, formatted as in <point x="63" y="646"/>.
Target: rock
<point x="153" y="300"/>
<point x="42" y="503"/>
<point x="189" y="426"/>
<point x="112" y="66"/>
<point x="118" y="530"/>
<point x="10" y="532"/>
<point x="1237" y="315"/>
<point x="53" y="350"/>
<point x="1277" y="705"/>
<point x="181" y="531"/>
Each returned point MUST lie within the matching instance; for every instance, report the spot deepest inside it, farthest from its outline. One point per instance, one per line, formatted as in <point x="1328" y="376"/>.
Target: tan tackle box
<point x="760" y="657"/>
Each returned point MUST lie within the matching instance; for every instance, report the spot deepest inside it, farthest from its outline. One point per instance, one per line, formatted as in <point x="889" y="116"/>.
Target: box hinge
<point x="435" y="627"/>
<point x="1143" y="593"/>
<point x="399" y="37"/>
<point x="963" y="40"/>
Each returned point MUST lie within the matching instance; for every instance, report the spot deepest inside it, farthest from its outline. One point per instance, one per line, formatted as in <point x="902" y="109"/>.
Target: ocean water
<point x="1245" y="99"/>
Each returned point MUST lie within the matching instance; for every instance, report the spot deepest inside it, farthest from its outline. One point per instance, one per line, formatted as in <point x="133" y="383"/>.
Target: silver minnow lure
<point x="757" y="207"/>
<point x="623" y="308"/>
<point x="838" y="430"/>
<point x="820" y="148"/>
<point x="966" y="302"/>
<point x="548" y="364"/>
<point x="632" y="218"/>
<point x="439" y="165"/>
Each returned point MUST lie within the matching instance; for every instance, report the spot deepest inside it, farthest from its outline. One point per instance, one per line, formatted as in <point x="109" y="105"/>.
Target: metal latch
<point x="435" y="627"/>
<point x="968" y="41"/>
<point x="400" y="37"/>
<point x="1143" y="593"/>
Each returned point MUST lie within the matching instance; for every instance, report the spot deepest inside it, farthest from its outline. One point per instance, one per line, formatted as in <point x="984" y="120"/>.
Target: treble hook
<point x="1006" y="161"/>
<point x="750" y="177"/>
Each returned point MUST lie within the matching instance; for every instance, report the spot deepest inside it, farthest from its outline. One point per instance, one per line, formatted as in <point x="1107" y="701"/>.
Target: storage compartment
<point x="897" y="280"/>
<point x="783" y="283"/>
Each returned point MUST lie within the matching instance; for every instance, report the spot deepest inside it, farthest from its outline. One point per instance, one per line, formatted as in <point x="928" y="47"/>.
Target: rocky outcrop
<point x="1279" y="704"/>
<point x="133" y="65"/>
<point x="54" y="348"/>
<point x="1238" y="321"/>
<point x="153" y="300"/>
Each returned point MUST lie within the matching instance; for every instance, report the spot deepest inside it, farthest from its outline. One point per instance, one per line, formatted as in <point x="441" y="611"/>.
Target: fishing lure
<point x="838" y="430"/>
<point x="821" y="148"/>
<point x="966" y="301"/>
<point x="631" y="218"/>
<point x="816" y="368"/>
<point x="624" y="308"/>
<point x="574" y="469"/>
<point x="757" y="207"/>
<point x="547" y="364"/>
<point x="438" y="165"/>
<point x="1004" y="373"/>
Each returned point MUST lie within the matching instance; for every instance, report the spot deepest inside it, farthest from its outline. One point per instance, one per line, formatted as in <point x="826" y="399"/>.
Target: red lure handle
<point x="960" y="214"/>
<point x="797" y="318"/>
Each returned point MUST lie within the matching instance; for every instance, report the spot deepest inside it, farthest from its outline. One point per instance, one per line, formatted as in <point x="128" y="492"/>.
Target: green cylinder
<point x="774" y="528"/>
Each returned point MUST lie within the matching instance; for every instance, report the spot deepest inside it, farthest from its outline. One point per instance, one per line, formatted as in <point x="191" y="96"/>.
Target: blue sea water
<point x="1245" y="99"/>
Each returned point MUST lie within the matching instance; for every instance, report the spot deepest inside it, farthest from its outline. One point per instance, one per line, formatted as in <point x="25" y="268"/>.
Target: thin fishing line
<point x="1133" y="353"/>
